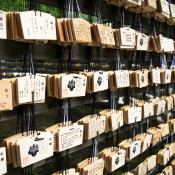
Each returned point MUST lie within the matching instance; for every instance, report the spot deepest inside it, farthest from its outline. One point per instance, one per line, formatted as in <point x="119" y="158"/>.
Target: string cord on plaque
<point x="141" y="129"/>
<point x="116" y="67"/>
<point x="92" y="165"/>
<point x="59" y="162"/>
<point x="102" y="32"/>
<point x="93" y="63"/>
<point x="172" y="68"/>
<point x="62" y="163"/>
<point x="113" y="156"/>
<point x="30" y="117"/>
<point x="60" y="59"/>
<point x="92" y="106"/>
<point x="121" y="76"/>
<point x="166" y="74"/>
<point x="66" y="135"/>
<point x="97" y="11"/>
<point x="114" y="97"/>
<point x="122" y="17"/>
<point x="61" y="166"/>
<point x="137" y="22"/>
<point x="94" y="11"/>
<point x="24" y="113"/>
<point x="23" y="5"/>
<point x="112" y="107"/>
<point x="59" y="113"/>
<point x="144" y="89"/>
<point x="32" y="136"/>
<point x="73" y="9"/>
<point x="21" y="110"/>
<point x="70" y="59"/>
<point x="62" y="8"/>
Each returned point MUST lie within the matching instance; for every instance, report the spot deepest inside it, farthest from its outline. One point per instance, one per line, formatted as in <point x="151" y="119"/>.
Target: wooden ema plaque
<point x="133" y="148"/>
<point x="28" y="84"/>
<point x="81" y="30"/>
<point x="114" y="158"/>
<point x="168" y="170"/>
<point x="163" y="10"/>
<point x="37" y="26"/>
<point x="24" y="92"/>
<point x="160" y="107"/>
<point x="69" y="137"/>
<point x="155" y="76"/>
<point x="156" y="135"/>
<point x="89" y="167"/>
<point x="171" y="123"/>
<point x="94" y="168"/>
<point x="138" y="78"/>
<point x="163" y="156"/>
<point x="171" y="148"/>
<point x="133" y="2"/>
<point x="8" y="143"/>
<point x="32" y="149"/>
<point x="93" y="126"/>
<point x="125" y="38"/>
<point x="172" y="11"/>
<point x="142" y="41"/>
<point x="122" y="78"/>
<point x="141" y="169"/>
<point x="6" y="102"/>
<point x="165" y="75"/>
<point x="3" y="29"/>
<point x="3" y="161"/>
<point x="142" y="78"/>
<point x="150" y="5"/>
<point x="164" y="129"/>
<point x="147" y="109"/>
<point x="128" y="173"/>
<point x="164" y="7"/>
<point x="169" y="102"/>
<point x="72" y="85"/>
<point x="67" y="172"/>
<point x="103" y="34"/>
<point x="173" y="165"/>
<point x="145" y="141"/>
<point x="14" y="95"/>
<point x="100" y="81"/>
<point x="151" y="162"/>
<point x="132" y="114"/>
<point x="116" y="120"/>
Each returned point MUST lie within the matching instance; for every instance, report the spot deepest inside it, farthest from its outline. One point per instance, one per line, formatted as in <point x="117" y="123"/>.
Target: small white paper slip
<point x="38" y="86"/>
<point x="3" y="161"/>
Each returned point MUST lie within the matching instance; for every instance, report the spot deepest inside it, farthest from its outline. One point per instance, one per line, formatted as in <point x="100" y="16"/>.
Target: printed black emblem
<point x="167" y="76"/>
<point x="142" y="78"/>
<point x="134" y="149"/>
<point x="141" y="41"/>
<point x="71" y="85"/>
<point x="99" y="81"/>
<point x="33" y="150"/>
<point x="117" y="160"/>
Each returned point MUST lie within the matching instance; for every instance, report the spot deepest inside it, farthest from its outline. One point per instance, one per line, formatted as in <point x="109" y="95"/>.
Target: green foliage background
<point x="9" y="5"/>
<point x="15" y="5"/>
